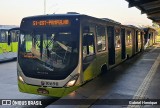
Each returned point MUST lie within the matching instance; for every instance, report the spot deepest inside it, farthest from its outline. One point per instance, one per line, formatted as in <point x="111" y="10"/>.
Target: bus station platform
<point x="132" y="84"/>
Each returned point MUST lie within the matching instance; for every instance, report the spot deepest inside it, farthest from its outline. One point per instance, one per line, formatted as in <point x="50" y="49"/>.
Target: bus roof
<point x="72" y="14"/>
<point x="7" y="26"/>
<point x="51" y="15"/>
<point x="149" y="28"/>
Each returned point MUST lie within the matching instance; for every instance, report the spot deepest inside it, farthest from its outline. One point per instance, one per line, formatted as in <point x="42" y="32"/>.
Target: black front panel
<point x="49" y="50"/>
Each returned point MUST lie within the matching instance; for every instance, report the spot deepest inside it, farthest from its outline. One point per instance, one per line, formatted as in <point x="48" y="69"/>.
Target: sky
<point x="12" y="11"/>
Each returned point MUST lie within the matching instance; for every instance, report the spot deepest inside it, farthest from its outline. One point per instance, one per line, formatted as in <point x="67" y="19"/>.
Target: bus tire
<point x="104" y="69"/>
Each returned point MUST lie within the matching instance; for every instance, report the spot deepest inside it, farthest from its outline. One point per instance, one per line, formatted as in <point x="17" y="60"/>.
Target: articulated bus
<point x="150" y="36"/>
<point x="8" y="50"/>
<point x="58" y="53"/>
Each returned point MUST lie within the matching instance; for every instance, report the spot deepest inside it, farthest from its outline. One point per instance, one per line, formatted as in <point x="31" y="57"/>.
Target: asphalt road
<point x="9" y="89"/>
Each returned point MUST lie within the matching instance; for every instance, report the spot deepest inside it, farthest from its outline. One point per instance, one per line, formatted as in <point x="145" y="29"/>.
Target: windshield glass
<point x="14" y="35"/>
<point x="49" y="54"/>
<point x="3" y="35"/>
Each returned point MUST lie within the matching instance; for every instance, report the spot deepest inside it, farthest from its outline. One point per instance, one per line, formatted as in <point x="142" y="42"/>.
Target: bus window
<point x="57" y="50"/>
<point x="3" y="36"/>
<point x="36" y="41"/>
<point x="139" y="37"/>
<point x="88" y="44"/>
<point x="117" y="37"/>
<point x="28" y="43"/>
<point x="128" y="38"/>
<point x="14" y="35"/>
<point x="101" y="39"/>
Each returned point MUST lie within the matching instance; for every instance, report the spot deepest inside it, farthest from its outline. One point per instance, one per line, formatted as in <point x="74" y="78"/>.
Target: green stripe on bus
<point x="11" y="48"/>
<point x="4" y="47"/>
<point x="56" y="92"/>
<point x="14" y="46"/>
<point x="89" y="72"/>
<point x="1" y="51"/>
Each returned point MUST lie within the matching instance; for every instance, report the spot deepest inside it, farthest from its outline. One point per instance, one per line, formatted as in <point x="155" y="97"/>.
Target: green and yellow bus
<point x="58" y="53"/>
<point x="8" y="50"/>
<point x="150" y="36"/>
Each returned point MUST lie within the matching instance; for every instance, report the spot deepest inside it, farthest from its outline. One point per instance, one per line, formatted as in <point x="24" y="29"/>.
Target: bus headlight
<point x="72" y="81"/>
<point x="20" y="79"/>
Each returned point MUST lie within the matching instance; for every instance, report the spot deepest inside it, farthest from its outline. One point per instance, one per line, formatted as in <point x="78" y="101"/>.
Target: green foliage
<point x="155" y="25"/>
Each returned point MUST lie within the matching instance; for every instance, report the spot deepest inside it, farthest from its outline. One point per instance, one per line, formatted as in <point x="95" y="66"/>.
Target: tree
<point x="155" y="25"/>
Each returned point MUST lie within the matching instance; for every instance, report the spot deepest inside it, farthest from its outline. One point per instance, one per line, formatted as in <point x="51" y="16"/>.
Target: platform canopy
<point x="150" y="7"/>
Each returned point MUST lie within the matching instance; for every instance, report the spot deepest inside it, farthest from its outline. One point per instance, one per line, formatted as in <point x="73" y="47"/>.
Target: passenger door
<point x="118" y="46"/>
<point x="14" y="40"/>
<point x="111" y="45"/>
<point x="101" y="48"/>
<point x="89" y="57"/>
<point x="12" y="43"/>
<point x="123" y="43"/>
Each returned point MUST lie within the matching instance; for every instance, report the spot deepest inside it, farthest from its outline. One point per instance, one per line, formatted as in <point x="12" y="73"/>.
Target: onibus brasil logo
<point x="21" y="102"/>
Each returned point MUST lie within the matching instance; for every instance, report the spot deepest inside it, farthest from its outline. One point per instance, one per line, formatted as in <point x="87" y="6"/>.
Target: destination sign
<point x="55" y="22"/>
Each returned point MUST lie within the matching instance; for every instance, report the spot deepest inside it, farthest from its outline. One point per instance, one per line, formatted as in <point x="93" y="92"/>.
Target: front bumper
<point x="56" y="92"/>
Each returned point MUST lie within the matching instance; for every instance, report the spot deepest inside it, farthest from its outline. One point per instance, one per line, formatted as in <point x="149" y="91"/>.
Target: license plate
<point x="42" y="91"/>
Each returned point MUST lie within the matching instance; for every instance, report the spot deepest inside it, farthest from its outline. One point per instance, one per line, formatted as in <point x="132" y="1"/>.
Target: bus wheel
<point x="104" y="69"/>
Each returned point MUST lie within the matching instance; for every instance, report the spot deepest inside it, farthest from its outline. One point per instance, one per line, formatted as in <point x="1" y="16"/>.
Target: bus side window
<point x="129" y="38"/>
<point x="139" y="37"/>
<point x="4" y="36"/>
<point x="117" y="38"/>
<point x="101" y="38"/>
<point x="88" y="44"/>
<point x="14" y="35"/>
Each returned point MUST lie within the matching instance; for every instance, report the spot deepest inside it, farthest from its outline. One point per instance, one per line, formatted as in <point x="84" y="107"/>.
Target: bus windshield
<point x="48" y="54"/>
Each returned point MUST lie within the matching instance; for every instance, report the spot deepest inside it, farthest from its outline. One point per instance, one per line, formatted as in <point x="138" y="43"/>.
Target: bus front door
<point x="89" y="57"/>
